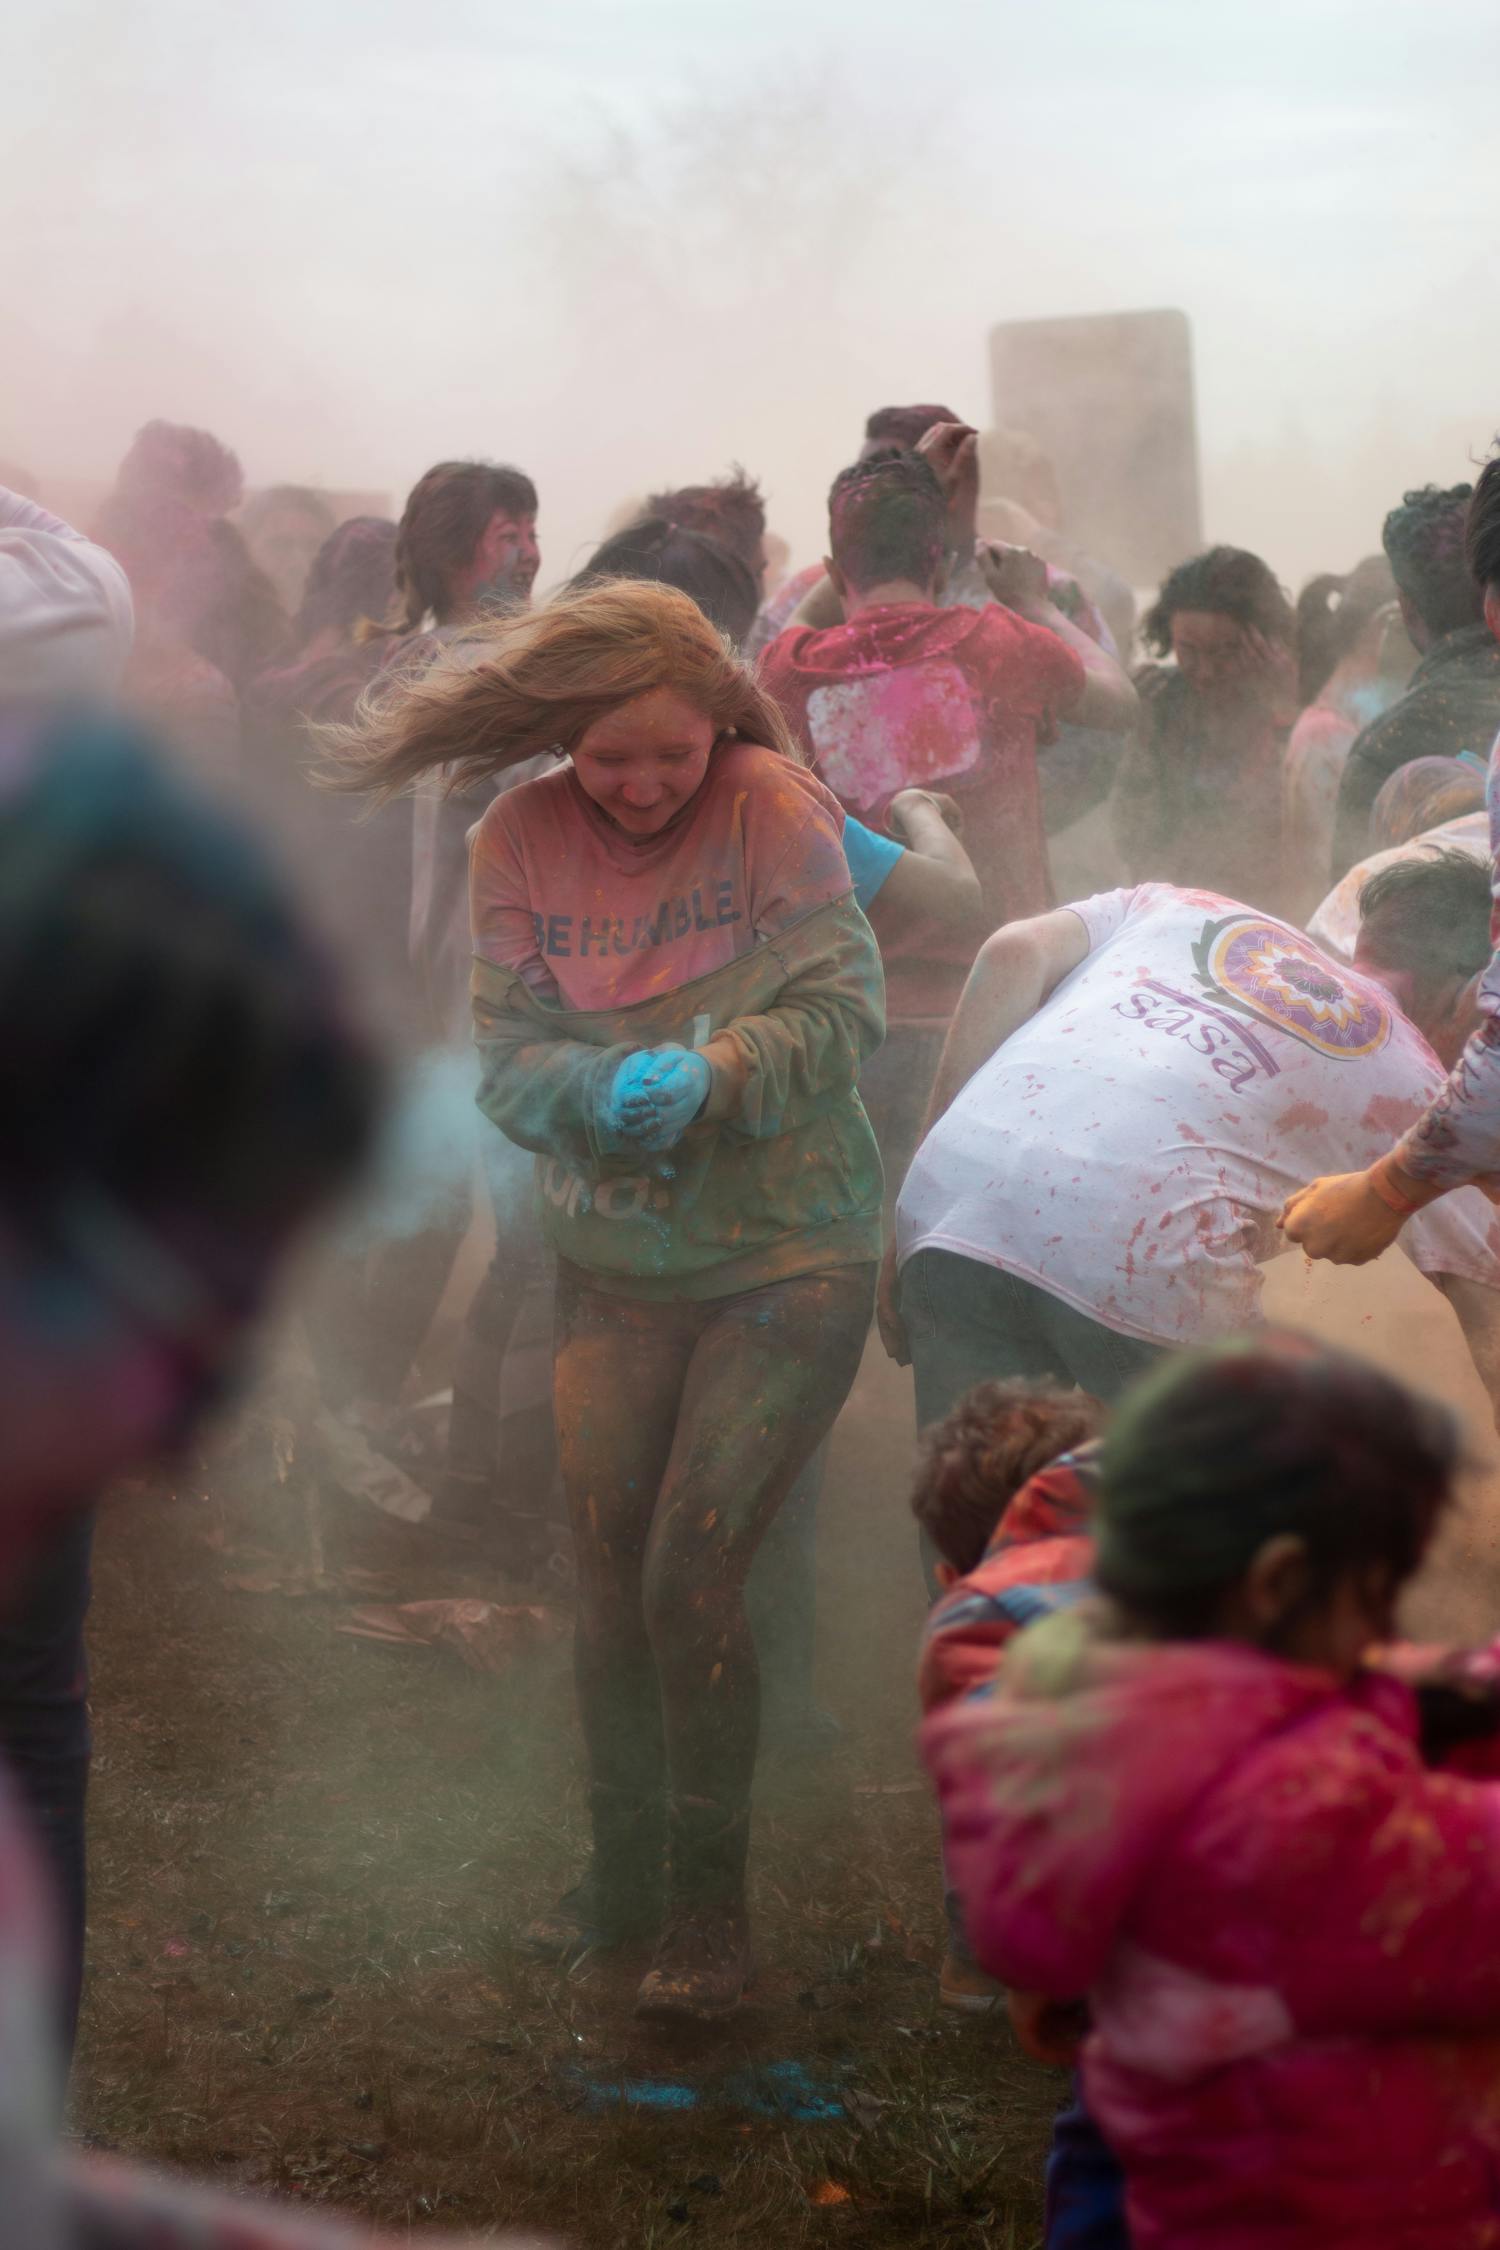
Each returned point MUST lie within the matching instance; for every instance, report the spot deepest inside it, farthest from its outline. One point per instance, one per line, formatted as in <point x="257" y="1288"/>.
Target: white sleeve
<point x="1104" y="913"/>
<point x="66" y="620"/>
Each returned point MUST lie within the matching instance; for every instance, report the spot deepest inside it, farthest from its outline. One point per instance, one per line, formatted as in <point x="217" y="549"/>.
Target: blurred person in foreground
<point x="1350" y="1217"/>
<point x="1347" y="629"/>
<point x="65" y="640"/>
<point x="1451" y="707"/>
<point x="145" y="1205"/>
<point x="1198" y="794"/>
<point x="673" y="996"/>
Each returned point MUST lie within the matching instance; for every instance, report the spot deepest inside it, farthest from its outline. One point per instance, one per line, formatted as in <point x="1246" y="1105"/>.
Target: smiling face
<point x="509" y="558"/>
<point x="643" y="761"/>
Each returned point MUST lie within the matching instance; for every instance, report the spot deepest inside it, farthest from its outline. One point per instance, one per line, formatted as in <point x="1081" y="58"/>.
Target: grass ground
<point x="312" y="1852"/>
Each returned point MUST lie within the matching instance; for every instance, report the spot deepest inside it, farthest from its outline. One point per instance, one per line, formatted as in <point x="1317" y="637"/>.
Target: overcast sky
<point x="625" y="241"/>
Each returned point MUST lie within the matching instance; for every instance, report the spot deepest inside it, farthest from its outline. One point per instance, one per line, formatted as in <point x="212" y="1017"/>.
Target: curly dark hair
<point x="1230" y="582"/>
<point x="975" y="1461"/>
<point x="1424" y="541"/>
<point x="732" y="511"/>
<point x="887" y="518"/>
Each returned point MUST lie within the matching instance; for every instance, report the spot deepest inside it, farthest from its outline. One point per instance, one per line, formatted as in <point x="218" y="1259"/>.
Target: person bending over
<point x="149" y="1196"/>
<point x="673" y="995"/>
<point x="1129" y="1087"/>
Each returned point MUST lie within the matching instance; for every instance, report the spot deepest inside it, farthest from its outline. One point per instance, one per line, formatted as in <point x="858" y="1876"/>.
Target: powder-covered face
<point x="643" y="761"/>
<point x="1212" y="651"/>
<point x="512" y="558"/>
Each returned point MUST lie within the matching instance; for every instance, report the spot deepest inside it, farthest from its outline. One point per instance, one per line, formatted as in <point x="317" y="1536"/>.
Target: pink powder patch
<point x="1387" y="1113"/>
<point x="1302" y="1116"/>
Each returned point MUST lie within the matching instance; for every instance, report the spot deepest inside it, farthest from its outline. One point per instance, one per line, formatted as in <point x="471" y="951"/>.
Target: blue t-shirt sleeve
<point x="870" y="858"/>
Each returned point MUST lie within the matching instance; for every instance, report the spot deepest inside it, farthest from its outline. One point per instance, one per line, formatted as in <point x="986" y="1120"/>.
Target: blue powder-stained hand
<point x="655" y="1097"/>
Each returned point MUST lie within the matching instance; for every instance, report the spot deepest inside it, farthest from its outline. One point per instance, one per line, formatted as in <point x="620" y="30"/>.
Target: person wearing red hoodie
<point x="907" y="693"/>
<point x="1193" y="1802"/>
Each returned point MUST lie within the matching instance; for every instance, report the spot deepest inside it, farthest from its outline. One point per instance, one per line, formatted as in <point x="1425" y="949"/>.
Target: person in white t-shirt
<point x="1129" y="1089"/>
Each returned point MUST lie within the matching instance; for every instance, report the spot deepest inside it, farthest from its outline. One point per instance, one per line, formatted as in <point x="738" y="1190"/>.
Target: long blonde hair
<point x="517" y="686"/>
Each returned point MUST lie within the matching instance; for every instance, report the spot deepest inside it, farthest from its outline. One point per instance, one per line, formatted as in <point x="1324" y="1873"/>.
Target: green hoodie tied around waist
<point x="779" y="1176"/>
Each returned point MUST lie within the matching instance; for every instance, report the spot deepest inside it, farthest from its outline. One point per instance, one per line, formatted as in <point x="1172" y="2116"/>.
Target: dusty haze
<point x="629" y="240"/>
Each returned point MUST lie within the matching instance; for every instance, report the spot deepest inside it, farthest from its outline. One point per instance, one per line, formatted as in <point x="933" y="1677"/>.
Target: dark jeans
<point x="1085" y="2186"/>
<point x="969" y="1323"/>
<point x="44" y="1734"/>
<point x="683" y="1427"/>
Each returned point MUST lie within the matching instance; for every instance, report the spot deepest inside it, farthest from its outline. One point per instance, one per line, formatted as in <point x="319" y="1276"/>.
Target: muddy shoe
<point x="965" y="1987"/>
<point x="702" y="1969"/>
<point x="590" y="1918"/>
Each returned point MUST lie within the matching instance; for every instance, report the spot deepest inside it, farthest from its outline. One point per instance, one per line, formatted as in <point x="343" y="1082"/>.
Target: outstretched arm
<point x="933" y="885"/>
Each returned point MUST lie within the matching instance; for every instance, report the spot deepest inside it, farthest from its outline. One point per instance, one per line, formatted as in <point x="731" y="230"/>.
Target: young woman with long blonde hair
<point x="673" y="995"/>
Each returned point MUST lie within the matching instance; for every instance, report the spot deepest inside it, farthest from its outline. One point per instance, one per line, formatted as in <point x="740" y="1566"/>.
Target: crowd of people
<point x="734" y="896"/>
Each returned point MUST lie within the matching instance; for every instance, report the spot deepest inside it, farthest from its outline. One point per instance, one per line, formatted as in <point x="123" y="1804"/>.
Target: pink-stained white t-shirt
<point x="1129" y="1147"/>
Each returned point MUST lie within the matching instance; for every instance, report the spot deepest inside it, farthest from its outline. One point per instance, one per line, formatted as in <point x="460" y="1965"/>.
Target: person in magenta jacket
<point x="1193" y="1804"/>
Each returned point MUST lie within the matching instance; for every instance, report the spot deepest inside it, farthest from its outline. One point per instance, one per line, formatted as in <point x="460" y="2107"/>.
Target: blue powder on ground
<point x="784" y="2090"/>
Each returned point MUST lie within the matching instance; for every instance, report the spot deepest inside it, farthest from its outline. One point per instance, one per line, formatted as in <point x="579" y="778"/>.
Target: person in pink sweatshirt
<point x="1192" y="1803"/>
